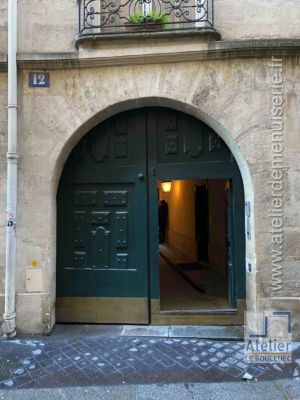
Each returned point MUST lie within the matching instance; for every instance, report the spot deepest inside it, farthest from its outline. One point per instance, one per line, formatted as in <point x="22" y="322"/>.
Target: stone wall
<point x="51" y="26"/>
<point x="46" y="27"/>
<point x="3" y="27"/>
<point x="256" y="19"/>
<point x="233" y="97"/>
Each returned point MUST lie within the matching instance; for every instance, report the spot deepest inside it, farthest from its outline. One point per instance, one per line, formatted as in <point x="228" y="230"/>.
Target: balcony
<point x="100" y="18"/>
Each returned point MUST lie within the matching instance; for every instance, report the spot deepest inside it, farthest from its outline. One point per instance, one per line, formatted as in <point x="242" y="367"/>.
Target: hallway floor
<point x="177" y="294"/>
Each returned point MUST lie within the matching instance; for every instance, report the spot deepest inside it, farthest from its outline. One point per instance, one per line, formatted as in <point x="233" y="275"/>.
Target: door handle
<point x="141" y="175"/>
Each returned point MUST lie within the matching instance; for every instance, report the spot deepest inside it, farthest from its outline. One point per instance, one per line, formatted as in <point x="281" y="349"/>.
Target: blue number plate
<point x="39" y="79"/>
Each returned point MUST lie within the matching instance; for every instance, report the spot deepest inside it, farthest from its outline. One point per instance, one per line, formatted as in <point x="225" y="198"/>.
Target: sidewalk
<point x="281" y="390"/>
<point x="84" y="363"/>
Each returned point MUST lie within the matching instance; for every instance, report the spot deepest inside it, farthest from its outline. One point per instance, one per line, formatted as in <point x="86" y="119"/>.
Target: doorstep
<point x="234" y="332"/>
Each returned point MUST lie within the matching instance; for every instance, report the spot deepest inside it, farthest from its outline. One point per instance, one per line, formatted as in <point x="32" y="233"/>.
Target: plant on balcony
<point x="152" y="20"/>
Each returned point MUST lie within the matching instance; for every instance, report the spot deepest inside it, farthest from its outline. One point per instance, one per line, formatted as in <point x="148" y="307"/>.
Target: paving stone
<point x="59" y="361"/>
<point x="223" y="365"/>
<point x="291" y="387"/>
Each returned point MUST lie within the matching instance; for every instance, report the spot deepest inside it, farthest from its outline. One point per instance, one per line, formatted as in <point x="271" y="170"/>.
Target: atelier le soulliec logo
<point x="268" y="337"/>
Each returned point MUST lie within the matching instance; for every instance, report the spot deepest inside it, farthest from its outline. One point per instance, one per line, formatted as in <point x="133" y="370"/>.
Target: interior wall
<point x="181" y="222"/>
<point x="217" y="253"/>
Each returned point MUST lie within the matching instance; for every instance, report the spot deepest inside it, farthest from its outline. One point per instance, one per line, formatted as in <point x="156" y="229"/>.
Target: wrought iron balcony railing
<point x="102" y="17"/>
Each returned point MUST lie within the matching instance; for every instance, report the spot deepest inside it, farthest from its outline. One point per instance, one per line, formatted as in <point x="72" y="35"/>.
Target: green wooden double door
<point x="107" y="236"/>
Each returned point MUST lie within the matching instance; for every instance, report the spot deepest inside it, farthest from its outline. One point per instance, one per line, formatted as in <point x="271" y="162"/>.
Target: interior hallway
<point x="177" y="294"/>
<point x="193" y="252"/>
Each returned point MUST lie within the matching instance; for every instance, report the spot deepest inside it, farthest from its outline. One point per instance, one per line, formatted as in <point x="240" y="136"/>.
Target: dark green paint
<point x="107" y="198"/>
<point x="102" y="213"/>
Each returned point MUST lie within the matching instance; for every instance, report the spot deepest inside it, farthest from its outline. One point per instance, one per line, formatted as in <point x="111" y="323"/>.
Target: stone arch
<point x="187" y="108"/>
<point x="154" y="102"/>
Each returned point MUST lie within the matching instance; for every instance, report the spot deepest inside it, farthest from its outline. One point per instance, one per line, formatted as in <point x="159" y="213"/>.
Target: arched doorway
<point x="110" y="265"/>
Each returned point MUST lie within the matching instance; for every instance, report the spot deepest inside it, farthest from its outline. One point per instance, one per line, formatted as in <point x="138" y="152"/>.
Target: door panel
<point x="107" y="245"/>
<point x="103" y="260"/>
<point x="182" y="147"/>
<point x="182" y="139"/>
<point x="102" y="215"/>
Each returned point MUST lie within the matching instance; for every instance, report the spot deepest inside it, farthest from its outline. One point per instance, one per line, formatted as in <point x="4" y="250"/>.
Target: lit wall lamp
<point x="166" y="187"/>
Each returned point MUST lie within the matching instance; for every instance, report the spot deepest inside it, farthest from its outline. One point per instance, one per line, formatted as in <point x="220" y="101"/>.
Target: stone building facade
<point x="231" y="77"/>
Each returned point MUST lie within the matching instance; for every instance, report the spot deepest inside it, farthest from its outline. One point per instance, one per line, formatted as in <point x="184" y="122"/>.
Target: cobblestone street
<point x="85" y="360"/>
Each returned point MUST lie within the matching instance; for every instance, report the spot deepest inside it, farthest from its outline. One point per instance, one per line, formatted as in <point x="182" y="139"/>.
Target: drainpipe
<point x="9" y="316"/>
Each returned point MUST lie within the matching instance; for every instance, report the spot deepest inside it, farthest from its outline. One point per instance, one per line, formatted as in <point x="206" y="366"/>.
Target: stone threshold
<point x="204" y="311"/>
<point x="216" y="332"/>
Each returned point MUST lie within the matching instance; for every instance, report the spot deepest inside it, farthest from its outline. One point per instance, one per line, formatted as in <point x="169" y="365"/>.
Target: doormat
<point x="194" y="266"/>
